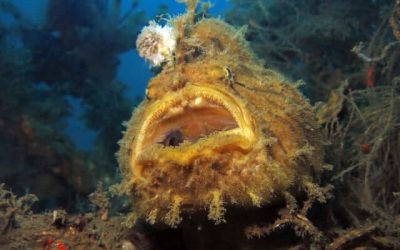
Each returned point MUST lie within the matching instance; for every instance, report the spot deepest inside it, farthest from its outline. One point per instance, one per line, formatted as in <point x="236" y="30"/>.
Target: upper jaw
<point x="195" y="120"/>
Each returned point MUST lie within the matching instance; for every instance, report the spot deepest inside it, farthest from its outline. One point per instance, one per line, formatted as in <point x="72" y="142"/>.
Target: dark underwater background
<point x="70" y="75"/>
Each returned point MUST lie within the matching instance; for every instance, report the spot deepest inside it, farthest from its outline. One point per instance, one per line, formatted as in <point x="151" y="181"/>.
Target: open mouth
<point x="194" y="119"/>
<point x="190" y="120"/>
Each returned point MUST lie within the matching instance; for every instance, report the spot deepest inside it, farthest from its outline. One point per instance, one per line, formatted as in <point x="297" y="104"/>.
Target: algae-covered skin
<point x="217" y="129"/>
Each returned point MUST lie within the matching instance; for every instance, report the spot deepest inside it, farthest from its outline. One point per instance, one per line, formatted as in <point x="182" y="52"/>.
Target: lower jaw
<point x="192" y="173"/>
<point x="209" y="183"/>
<point x="187" y="154"/>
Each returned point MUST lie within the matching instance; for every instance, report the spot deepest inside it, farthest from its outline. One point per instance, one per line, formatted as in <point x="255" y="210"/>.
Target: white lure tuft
<point x="156" y="43"/>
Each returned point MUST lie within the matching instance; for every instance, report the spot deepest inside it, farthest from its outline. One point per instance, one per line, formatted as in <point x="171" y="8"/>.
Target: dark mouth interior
<point x="173" y="138"/>
<point x="190" y="124"/>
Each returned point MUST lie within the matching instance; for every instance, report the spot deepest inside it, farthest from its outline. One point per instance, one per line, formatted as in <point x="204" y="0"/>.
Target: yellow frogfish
<point x="217" y="128"/>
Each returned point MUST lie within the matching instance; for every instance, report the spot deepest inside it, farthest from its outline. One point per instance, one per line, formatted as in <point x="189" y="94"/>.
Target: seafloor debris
<point x="59" y="230"/>
<point x="297" y="218"/>
<point x="100" y="202"/>
<point x="13" y="209"/>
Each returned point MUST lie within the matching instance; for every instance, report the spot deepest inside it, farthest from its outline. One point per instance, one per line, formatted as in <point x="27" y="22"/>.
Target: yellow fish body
<point x="217" y="129"/>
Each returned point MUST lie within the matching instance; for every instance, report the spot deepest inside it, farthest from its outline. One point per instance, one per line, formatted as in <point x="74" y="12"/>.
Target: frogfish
<point x="217" y="129"/>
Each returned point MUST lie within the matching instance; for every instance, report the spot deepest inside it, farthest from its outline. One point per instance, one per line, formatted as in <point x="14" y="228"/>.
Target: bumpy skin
<point x="276" y="148"/>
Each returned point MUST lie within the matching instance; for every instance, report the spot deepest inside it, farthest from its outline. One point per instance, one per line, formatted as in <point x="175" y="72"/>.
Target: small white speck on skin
<point x="198" y="101"/>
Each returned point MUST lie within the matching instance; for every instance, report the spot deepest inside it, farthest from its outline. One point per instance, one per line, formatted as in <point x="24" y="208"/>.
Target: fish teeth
<point x="174" y="111"/>
<point x="184" y="103"/>
<point x="198" y="101"/>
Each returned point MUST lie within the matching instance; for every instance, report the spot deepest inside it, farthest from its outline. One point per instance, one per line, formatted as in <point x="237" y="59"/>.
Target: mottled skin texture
<point x="275" y="148"/>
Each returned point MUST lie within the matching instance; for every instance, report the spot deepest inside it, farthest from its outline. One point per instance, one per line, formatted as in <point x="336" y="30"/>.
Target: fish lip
<point x="244" y="134"/>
